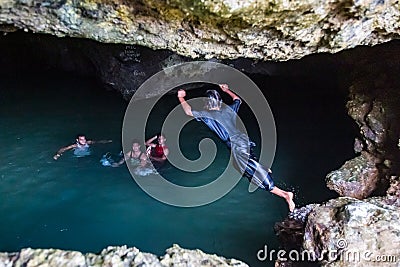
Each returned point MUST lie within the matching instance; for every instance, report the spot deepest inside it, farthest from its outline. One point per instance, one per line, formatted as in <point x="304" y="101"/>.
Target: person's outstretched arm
<point x="124" y="158"/>
<point x="225" y="88"/>
<point x="186" y="107"/>
<point x="91" y="142"/>
<point x="62" y="150"/>
<point x="150" y="143"/>
<point x="143" y="160"/>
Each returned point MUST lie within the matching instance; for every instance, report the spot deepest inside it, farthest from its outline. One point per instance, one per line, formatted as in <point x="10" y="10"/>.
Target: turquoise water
<point x="77" y="204"/>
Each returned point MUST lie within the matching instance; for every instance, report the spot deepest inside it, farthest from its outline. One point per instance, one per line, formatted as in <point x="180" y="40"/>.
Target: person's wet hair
<point x="214" y="100"/>
<point x="161" y="134"/>
<point x="135" y="141"/>
<point x="80" y="135"/>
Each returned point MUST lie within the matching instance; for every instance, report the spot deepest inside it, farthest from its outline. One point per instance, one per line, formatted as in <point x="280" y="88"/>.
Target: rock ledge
<point x="114" y="256"/>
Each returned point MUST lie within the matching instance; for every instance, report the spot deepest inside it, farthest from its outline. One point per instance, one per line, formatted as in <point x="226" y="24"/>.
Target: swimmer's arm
<point x="124" y="158"/>
<point x="163" y="158"/>
<point x="143" y="160"/>
<point x="148" y="151"/>
<point x="150" y="141"/>
<point x="143" y="157"/>
<point x="186" y="107"/>
<point x="62" y="150"/>
<point x="225" y="88"/>
<point x="166" y="152"/>
<point x="91" y="142"/>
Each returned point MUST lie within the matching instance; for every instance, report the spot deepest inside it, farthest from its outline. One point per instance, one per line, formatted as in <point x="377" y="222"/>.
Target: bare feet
<point x="290" y="201"/>
<point x="288" y="196"/>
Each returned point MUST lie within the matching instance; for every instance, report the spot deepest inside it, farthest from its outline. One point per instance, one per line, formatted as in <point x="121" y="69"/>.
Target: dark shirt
<point x="222" y="122"/>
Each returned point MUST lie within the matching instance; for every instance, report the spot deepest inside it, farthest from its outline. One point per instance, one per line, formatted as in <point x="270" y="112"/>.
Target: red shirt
<point x="158" y="151"/>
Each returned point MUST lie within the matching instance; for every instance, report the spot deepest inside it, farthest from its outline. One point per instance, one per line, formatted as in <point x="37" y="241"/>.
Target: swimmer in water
<point x="136" y="157"/>
<point x="81" y="147"/>
<point x="222" y="121"/>
<point x="138" y="160"/>
<point x="157" y="153"/>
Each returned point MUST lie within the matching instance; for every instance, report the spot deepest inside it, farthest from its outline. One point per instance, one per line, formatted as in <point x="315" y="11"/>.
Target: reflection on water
<point x="76" y="203"/>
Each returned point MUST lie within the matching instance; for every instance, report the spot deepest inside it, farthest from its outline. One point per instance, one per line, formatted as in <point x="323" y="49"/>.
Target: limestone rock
<point x="291" y="230"/>
<point x="357" y="178"/>
<point x="50" y="257"/>
<point x="393" y="193"/>
<point x="229" y="29"/>
<point x="354" y="232"/>
<point x="342" y="232"/>
<point x="177" y="256"/>
<point x="6" y="259"/>
<point x="114" y="256"/>
<point x="374" y="106"/>
<point x="122" y="256"/>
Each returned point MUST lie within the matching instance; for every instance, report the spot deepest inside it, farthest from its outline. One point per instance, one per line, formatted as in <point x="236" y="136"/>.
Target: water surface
<point x="77" y="204"/>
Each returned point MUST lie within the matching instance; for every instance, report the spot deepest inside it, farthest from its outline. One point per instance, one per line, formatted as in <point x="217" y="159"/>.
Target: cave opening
<point x="52" y="88"/>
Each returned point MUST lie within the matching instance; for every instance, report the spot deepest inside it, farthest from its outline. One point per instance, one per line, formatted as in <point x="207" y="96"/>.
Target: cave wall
<point x="124" y="67"/>
<point x="248" y="35"/>
<point x="223" y="29"/>
<point x="365" y="216"/>
<point x="374" y="105"/>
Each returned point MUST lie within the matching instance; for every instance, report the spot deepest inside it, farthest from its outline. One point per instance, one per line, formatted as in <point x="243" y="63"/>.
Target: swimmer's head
<point x="81" y="139"/>
<point x="214" y="100"/>
<point x="135" y="145"/>
<point x="161" y="139"/>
